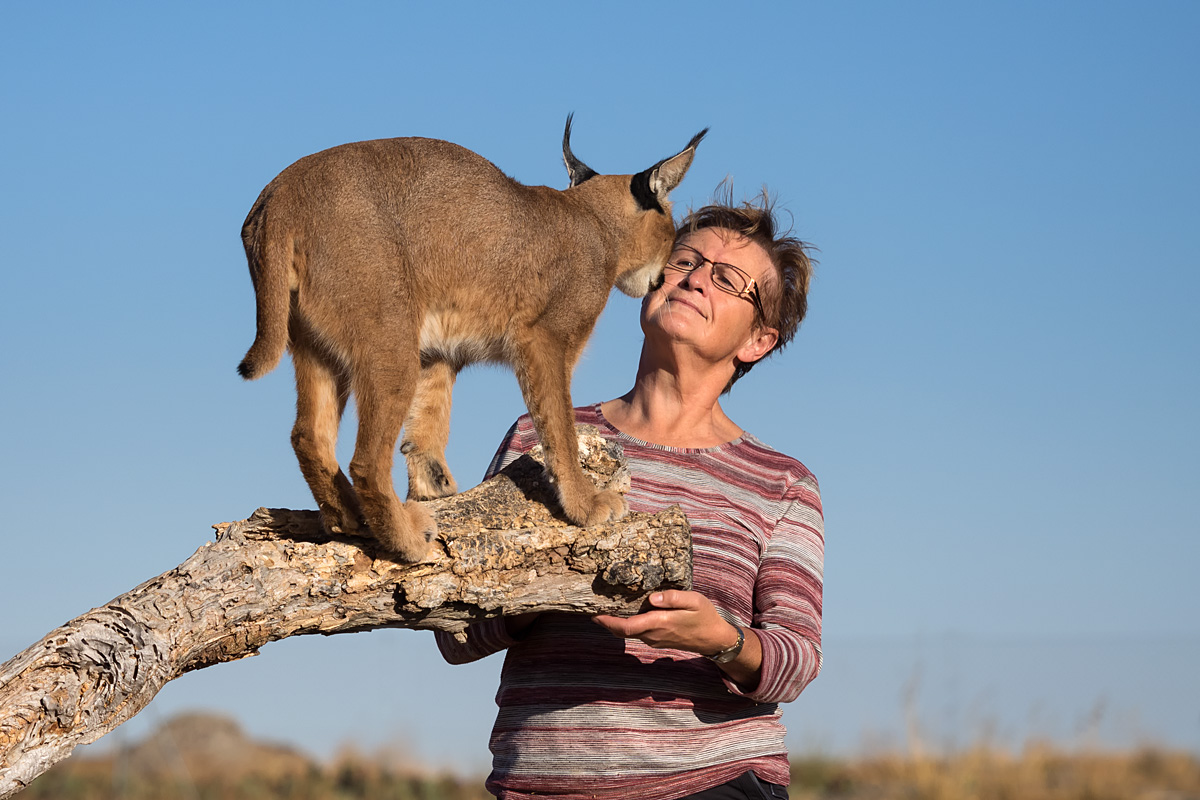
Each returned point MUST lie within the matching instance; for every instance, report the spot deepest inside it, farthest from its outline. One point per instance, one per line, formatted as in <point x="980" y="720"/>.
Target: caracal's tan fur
<point x="387" y="266"/>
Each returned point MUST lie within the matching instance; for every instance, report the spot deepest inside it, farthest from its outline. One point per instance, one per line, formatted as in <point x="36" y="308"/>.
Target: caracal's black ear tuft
<point x="651" y="187"/>
<point x="699" y="137"/>
<point x="576" y="169"/>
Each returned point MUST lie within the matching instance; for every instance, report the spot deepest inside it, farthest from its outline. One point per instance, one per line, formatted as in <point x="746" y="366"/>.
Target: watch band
<point x="731" y="652"/>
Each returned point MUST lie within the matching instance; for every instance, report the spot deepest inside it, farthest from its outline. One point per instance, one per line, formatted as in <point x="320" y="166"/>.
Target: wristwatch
<point x="731" y="652"/>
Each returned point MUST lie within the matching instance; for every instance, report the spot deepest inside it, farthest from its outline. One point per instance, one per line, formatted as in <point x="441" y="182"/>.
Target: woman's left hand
<point x="680" y="620"/>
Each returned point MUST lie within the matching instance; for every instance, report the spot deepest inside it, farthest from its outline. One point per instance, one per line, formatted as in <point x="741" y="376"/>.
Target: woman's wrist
<point x="746" y="669"/>
<point x="730" y="651"/>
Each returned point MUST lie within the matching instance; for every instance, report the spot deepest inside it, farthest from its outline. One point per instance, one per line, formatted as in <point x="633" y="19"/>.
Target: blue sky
<point x="996" y="385"/>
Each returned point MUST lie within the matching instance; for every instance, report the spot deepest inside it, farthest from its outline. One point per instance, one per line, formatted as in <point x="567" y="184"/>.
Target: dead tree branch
<point x="274" y="575"/>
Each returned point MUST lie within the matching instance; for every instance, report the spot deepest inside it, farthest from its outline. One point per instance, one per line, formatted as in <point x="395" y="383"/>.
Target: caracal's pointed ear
<point x="758" y="345"/>
<point x="651" y="187"/>
<point x="576" y="169"/>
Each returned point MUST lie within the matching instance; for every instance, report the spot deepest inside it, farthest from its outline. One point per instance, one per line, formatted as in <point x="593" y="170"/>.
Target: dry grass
<point x="202" y="756"/>
<point x="208" y="757"/>
<point x="101" y="779"/>
<point x="1040" y="772"/>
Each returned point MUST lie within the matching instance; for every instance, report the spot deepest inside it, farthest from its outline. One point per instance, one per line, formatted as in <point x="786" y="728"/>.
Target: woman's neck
<point x="673" y="409"/>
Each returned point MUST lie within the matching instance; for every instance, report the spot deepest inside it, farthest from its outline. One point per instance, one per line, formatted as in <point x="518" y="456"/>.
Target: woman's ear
<point x="758" y="345"/>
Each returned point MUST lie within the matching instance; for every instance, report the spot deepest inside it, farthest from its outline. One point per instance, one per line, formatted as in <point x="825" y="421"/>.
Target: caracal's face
<point x="655" y="238"/>
<point x="641" y="281"/>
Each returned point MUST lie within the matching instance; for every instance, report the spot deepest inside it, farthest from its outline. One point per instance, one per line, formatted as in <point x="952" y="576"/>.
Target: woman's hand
<point x="689" y="621"/>
<point x="681" y="620"/>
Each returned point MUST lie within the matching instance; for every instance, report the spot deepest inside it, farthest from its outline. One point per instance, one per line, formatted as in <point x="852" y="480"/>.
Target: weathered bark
<point x="500" y="552"/>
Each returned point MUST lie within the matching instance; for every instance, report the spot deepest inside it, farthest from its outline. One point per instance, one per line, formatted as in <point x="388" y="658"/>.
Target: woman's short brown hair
<point x="784" y="299"/>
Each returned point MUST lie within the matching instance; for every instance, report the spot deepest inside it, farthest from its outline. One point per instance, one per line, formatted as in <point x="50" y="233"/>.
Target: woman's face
<point x="689" y="310"/>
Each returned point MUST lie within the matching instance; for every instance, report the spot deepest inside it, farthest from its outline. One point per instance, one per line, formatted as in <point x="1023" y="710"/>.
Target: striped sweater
<point x="586" y="715"/>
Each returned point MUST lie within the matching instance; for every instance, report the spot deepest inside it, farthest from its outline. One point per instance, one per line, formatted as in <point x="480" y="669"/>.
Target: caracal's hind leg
<point x="426" y="432"/>
<point x="383" y="388"/>
<point x="543" y="370"/>
<point x="321" y="391"/>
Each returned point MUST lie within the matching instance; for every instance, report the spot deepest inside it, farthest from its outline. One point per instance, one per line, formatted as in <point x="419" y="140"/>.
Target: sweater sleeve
<point x="520" y="439"/>
<point x="787" y="598"/>
<point x="483" y="639"/>
<point x="490" y="635"/>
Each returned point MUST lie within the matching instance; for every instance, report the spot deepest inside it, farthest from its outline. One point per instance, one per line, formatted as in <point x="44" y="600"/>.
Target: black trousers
<point x="746" y="786"/>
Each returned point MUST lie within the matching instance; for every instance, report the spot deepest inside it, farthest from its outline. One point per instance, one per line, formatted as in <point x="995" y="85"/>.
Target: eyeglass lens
<point x="725" y="276"/>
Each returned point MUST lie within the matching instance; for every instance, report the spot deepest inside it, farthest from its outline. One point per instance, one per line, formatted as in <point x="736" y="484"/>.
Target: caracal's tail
<point x="269" y="255"/>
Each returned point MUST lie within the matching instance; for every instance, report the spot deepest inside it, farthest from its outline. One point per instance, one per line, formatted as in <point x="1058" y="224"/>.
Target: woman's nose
<point x="694" y="280"/>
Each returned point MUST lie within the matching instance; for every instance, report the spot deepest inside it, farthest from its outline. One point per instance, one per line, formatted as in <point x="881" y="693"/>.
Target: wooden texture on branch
<point x="500" y="551"/>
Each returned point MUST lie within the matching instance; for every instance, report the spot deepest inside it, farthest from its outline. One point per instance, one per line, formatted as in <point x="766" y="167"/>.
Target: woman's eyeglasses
<point x="726" y="277"/>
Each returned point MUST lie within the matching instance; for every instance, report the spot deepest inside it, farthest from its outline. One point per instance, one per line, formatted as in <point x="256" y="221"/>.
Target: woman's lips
<point x="684" y="302"/>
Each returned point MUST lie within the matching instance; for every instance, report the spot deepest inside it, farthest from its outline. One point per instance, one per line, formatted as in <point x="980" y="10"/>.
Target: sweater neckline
<point x="622" y="436"/>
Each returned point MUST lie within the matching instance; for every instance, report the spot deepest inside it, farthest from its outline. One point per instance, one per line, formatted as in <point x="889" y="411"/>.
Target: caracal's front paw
<point x="342" y="522"/>
<point x="596" y="508"/>
<point x="428" y="477"/>
<point x="408" y="533"/>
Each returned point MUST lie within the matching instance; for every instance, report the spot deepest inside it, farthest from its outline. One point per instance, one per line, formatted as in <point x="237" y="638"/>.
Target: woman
<point x="682" y="700"/>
